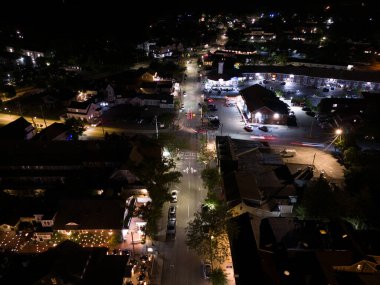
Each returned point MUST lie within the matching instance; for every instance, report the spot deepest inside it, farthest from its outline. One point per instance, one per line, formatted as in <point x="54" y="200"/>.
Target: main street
<point x="180" y="265"/>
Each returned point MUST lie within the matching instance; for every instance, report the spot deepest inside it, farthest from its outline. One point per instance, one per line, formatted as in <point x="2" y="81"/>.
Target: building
<point x="62" y="164"/>
<point x="86" y="111"/>
<point x="262" y="106"/>
<point x="56" y="131"/>
<point x="19" y="129"/>
<point x="255" y="178"/>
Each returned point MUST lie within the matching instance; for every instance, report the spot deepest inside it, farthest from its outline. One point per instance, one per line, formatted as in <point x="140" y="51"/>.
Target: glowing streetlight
<point x="339" y="133"/>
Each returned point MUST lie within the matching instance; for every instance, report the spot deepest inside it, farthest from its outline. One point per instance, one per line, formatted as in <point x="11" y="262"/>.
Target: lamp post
<point x="339" y="133"/>
<point x="211" y="239"/>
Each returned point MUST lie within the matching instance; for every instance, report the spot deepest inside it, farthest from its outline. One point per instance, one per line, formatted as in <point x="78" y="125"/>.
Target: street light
<point x="339" y="133"/>
<point x="211" y="238"/>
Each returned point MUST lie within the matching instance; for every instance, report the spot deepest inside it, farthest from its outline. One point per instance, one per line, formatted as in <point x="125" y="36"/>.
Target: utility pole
<point x="314" y="159"/>
<point x="156" y="127"/>
<point x="43" y="116"/>
<point x="133" y="245"/>
<point x="311" y="127"/>
<point x="34" y="123"/>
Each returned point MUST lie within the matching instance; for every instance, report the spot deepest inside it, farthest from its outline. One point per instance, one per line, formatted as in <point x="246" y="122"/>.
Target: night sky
<point x="53" y="18"/>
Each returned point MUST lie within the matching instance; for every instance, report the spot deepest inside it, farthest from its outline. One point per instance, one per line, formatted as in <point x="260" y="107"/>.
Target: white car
<point x="173" y="196"/>
<point x="288" y="152"/>
<point x="213" y="117"/>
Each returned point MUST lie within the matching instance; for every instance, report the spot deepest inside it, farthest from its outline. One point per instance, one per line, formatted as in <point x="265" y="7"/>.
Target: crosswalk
<point x="188" y="155"/>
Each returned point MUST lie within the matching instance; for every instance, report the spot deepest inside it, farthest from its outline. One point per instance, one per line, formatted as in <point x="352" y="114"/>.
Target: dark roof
<point x="226" y="75"/>
<point x="15" y="130"/>
<point x="106" y="270"/>
<point x="355" y="75"/>
<point x="257" y="96"/>
<point x="245" y="258"/>
<point x="62" y="152"/>
<point x="90" y="214"/>
<point x="291" y="233"/>
<point x="51" y="132"/>
<point x="318" y="72"/>
<point x="67" y="263"/>
<point x="12" y="208"/>
<point x="80" y="105"/>
<point x="230" y="186"/>
<point x="160" y="96"/>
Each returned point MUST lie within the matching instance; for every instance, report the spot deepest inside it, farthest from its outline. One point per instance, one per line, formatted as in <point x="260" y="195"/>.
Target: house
<point x="86" y="110"/>
<point x="162" y="100"/>
<point x="56" y="131"/>
<point x="20" y="129"/>
<point x="110" y="93"/>
<point x="262" y="106"/>
<point x="255" y="178"/>
<point x="152" y="87"/>
<point x="26" y="215"/>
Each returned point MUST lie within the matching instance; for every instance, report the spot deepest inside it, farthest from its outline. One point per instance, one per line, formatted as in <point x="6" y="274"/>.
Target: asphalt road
<point x="180" y="265"/>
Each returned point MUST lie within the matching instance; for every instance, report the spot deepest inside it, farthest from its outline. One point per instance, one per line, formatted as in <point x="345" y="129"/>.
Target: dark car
<point x="172" y="213"/>
<point x="207" y="269"/>
<point x="263" y="128"/>
<point x="248" y="128"/>
<point x="171" y="227"/>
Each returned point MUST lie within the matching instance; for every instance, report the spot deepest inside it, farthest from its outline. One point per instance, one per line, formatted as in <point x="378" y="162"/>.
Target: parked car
<point x="248" y="128"/>
<point x="172" y="213"/>
<point x="207" y="269"/>
<point x="263" y="128"/>
<point x="171" y="227"/>
<point x="173" y="196"/>
<point x="288" y="152"/>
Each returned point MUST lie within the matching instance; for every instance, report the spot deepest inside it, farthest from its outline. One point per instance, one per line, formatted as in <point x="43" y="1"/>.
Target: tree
<point x="172" y="143"/>
<point x="319" y="201"/>
<point x="206" y="154"/>
<point x="211" y="178"/>
<point x="218" y="277"/>
<point x="76" y="128"/>
<point x="9" y="91"/>
<point x="157" y="176"/>
<point x="208" y="233"/>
